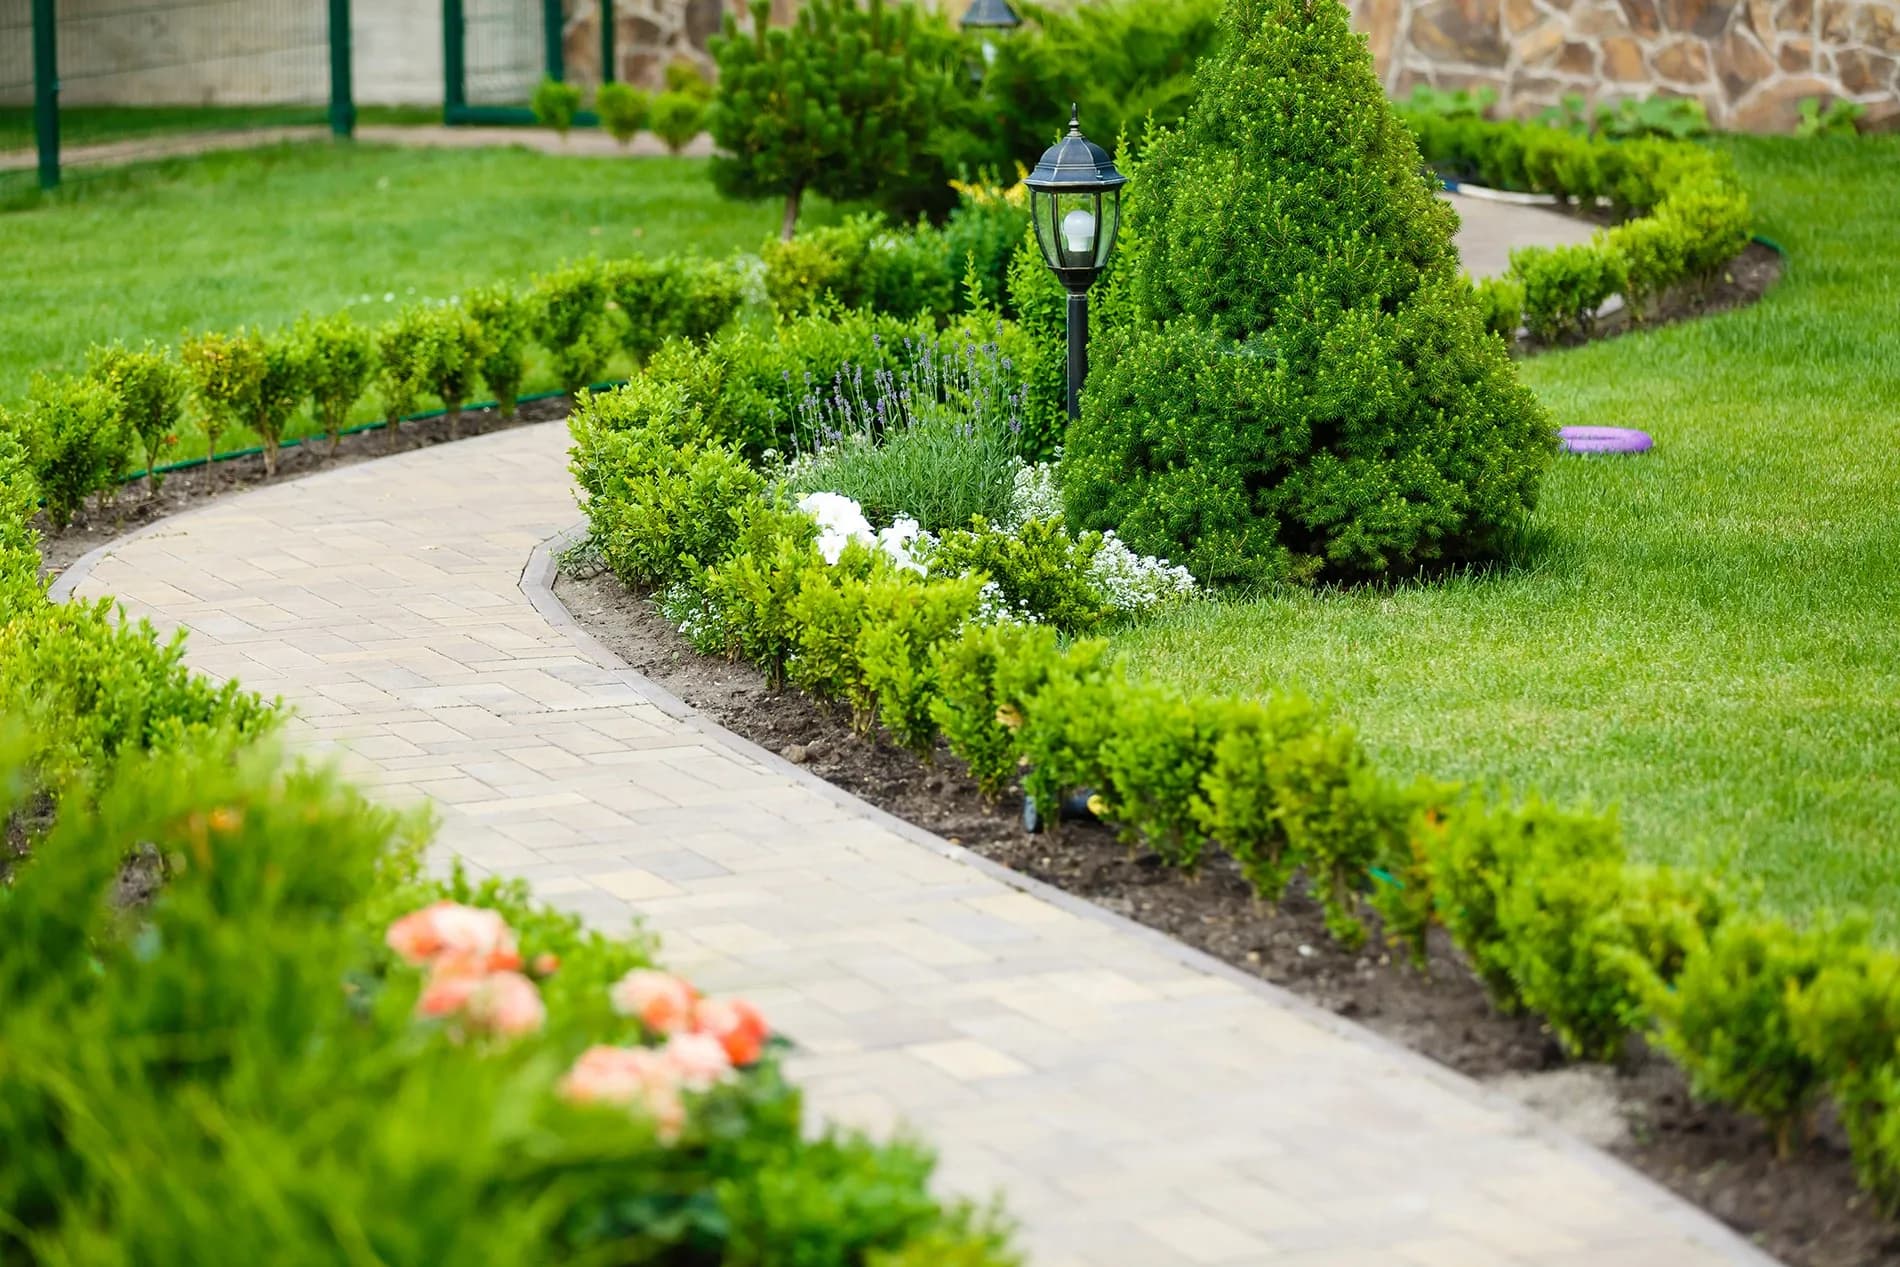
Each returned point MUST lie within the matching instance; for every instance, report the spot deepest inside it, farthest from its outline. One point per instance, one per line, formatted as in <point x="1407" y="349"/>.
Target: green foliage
<point x="861" y="263"/>
<point x="19" y="544"/>
<point x="555" y="104"/>
<point x="752" y="590"/>
<point x="150" y="386"/>
<point x="339" y="358"/>
<point x="1564" y="286"/>
<point x="839" y="103"/>
<point x="1461" y="103"/>
<point x="678" y="117"/>
<point x="1728" y="1023"/>
<point x="1038" y="567"/>
<point x="684" y="77"/>
<point x="623" y="110"/>
<point x="507" y="320"/>
<point x="450" y="356"/>
<point x="404" y="351"/>
<point x="281" y="390"/>
<point x="663" y="497"/>
<point x="978" y="720"/>
<point x="1324" y="399"/>
<point x="669" y="299"/>
<point x="571" y="322"/>
<point x="75" y="436"/>
<point x="1501" y="300"/>
<point x="941" y="469"/>
<point x="1840" y="117"/>
<point x="906" y="621"/>
<point x="228" y="372"/>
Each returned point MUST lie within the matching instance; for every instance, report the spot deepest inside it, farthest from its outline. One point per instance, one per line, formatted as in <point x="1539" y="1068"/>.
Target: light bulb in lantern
<point x="1078" y="231"/>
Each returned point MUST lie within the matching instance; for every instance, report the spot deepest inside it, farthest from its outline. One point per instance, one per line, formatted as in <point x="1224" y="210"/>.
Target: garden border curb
<point x="537" y="584"/>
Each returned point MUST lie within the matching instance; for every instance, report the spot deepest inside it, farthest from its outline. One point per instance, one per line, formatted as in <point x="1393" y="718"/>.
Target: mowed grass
<point x="1707" y="637"/>
<point x="258" y="237"/>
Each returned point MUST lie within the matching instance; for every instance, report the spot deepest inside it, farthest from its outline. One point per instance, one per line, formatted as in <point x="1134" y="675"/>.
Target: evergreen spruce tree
<point x="1308" y="389"/>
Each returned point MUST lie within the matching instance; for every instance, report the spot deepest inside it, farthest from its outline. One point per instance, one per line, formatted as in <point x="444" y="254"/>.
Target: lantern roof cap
<point x="1075" y="164"/>
<point x="990" y="13"/>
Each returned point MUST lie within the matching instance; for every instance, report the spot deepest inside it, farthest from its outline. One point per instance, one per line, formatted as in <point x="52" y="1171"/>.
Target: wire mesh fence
<point x="504" y="51"/>
<point x="135" y="79"/>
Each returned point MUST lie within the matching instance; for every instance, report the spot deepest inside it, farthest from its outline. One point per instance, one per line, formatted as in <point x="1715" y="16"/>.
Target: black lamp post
<point x="990" y="13"/>
<point x="1075" y="198"/>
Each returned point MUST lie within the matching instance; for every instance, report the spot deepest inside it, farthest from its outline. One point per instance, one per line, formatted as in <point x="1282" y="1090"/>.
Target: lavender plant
<point x="937" y="439"/>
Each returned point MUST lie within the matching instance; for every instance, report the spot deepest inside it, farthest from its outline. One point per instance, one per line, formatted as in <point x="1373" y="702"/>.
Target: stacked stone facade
<point x="1751" y="62"/>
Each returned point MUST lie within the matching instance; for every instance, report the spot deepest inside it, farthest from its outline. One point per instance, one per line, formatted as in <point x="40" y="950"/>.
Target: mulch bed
<point x="131" y="508"/>
<point x="1808" y="1212"/>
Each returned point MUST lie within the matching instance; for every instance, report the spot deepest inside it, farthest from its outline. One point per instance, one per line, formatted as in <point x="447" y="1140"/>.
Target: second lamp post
<point x="1075" y="199"/>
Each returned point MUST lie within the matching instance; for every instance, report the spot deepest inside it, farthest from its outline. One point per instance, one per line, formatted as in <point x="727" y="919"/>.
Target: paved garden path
<point x="1137" y="1104"/>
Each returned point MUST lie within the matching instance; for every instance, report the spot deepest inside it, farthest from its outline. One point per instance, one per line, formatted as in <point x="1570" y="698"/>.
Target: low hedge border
<point x="1681" y="212"/>
<point x="1544" y="902"/>
<point x="229" y="975"/>
<point x="82" y="432"/>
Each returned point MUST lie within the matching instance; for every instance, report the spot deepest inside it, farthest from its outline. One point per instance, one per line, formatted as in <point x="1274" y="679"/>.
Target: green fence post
<point x="555" y="24"/>
<point x="454" y="65"/>
<point x="46" y="90"/>
<point x="342" y="85"/>
<point x="607" y="68"/>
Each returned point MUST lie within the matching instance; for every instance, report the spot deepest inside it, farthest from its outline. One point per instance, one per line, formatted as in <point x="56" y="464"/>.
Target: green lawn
<point x="263" y="235"/>
<point x="1707" y="637"/>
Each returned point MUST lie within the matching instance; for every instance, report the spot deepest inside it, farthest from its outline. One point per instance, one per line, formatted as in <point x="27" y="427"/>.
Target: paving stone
<point x="1133" y="1106"/>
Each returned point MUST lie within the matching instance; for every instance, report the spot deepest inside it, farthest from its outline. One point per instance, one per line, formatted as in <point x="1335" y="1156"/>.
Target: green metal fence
<point x="86" y="83"/>
<point x="495" y="52"/>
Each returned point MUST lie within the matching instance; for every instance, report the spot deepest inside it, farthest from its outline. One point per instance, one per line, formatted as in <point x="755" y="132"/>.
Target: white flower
<point x="903" y="541"/>
<point x="840" y="522"/>
<point x="1033" y="494"/>
<point x="1135" y="583"/>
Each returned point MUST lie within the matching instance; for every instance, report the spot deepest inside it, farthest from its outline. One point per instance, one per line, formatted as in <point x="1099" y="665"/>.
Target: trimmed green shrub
<point x="906" y="622"/>
<point x="451" y="358"/>
<point x="280" y="394"/>
<point x="1501" y="300"/>
<point x="862" y="263"/>
<point x="405" y="349"/>
<point x="227" y="373"/>
<point x="75" y="436"/>
<point x="1565" y="285"/>
<point x="1323" y="399"/>
<point x="570" y="321"/>
<point x="678" y="117"/>
<point x="977" y="720"/>
<point x="19" y="502"/>
<point x="1037" y="568"/>
<point x="839" y="103"/>
<point x="506" y="319"/>
<point x="669" y="299"/>
<point x="340" y="359"/>
<point x="623" y="110"/>
<point x="684" y="77"/>
<point x="1727" y="1019"/>
<point x="555" y="104"/>
<point x="774" y="556"/>
<point x="151" y="387"/>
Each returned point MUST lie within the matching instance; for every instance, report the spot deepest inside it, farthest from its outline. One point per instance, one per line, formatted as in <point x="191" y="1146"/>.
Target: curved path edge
<point x="1133" y="1100"/>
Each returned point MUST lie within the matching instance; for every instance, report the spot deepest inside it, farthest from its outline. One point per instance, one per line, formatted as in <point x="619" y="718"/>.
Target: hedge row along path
<point x="1134" y="1102"/>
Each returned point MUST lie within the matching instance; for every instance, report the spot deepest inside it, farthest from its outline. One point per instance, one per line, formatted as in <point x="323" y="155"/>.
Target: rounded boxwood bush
<point x="1309" y="389"/>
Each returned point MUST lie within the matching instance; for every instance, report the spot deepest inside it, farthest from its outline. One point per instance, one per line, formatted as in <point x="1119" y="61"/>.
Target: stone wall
<point x="1750" y="61"/>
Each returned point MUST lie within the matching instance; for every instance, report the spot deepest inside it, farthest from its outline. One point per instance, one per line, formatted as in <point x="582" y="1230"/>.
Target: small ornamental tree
<point x="555" y="104"/>
<point x="402" y="373"/>
<point x="339" y="358"/>
<point x="151" y="388"/>
<point x="839" y="103"/>
<point x="454" y="358"/>
<point x="1306" y="387"/>
<point x="623" y="110"/>
<point x="570" y="311"/>
<point x="507" y="323"/>
<point x="227" y="371"/>
<point x="280" y="391"/>
<point x="76" y="438"/>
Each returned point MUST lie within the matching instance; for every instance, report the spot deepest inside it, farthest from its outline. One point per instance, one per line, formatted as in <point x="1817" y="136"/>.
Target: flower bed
<point x="240" y="1015"/>
<point x="1545" y="905"/>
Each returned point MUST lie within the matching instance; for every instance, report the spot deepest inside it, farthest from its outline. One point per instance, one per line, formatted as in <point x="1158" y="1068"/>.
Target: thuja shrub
<point x="151" y="387"/>
<point x="507" y="328"/>
<point x="571" y="322"/>
<point x="1324" y="399"/>
<point x="339" y="361"/>
<point x="75" y="436"/>
<point x="623" y="110"/>
<point x="452" y="358"/>
<point x="227" y="372"/>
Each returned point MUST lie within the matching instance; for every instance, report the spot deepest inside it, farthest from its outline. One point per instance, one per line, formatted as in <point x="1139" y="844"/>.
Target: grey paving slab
<point x="1134" y="1101"/>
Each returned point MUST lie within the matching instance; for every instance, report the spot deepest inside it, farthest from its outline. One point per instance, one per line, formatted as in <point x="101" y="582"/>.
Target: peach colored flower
<point x="663" y="1002"/>
<point x="546" y="964"/>
<point x="506" y="1003"/>
<point x="699" y="1059"/>
<point x="475" y="938"/>
<point x="739" y="1027"/>
<point x="637" y="1077"/>
<point x="447" y="994"/>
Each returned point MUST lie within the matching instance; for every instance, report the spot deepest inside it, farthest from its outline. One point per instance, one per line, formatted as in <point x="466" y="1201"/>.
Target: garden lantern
<point x="1075" y="198"/>
<point x="990" y="16"/>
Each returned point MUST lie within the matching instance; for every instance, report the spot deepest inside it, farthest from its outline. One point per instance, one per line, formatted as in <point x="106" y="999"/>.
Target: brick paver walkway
<point x="1137" y="1104"/>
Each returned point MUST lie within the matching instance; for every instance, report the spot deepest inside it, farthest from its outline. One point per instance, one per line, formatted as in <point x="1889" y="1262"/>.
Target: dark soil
<point x="1746" y="279"/>
<point x="185" y="490"/>
<point x="1808" y="1212"/>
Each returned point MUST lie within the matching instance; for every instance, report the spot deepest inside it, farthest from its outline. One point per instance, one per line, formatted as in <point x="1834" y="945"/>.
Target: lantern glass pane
<point x="1043" y="209"/>
<point x="1110" y="218"/>
<point x="1079" y="221"/>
